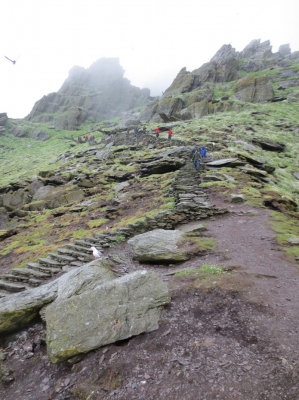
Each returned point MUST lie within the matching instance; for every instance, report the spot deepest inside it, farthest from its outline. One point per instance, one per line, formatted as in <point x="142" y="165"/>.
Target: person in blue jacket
<point x="203" y="152"/>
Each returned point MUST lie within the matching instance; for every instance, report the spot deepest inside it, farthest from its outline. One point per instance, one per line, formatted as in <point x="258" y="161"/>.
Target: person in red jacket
<point x="169" y="134"/>
<point x="157" y="130"/>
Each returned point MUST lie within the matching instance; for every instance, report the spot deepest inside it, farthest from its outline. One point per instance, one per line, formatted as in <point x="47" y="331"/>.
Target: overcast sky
<point x="153" y="39"/>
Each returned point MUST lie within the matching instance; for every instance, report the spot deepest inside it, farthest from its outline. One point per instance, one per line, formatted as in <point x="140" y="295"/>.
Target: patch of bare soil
<point x="235" y="337"/>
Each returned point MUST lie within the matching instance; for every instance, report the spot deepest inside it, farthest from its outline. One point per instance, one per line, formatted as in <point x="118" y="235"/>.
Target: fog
<point x="153" y="39"/>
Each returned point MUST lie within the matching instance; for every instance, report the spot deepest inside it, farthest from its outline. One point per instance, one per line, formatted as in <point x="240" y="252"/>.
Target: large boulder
<point x="17" y="310"/>
<point x="113" y="311"/>
<point x="19" y="131"/>
<point x="14" y="199"/>
<point x="158" y="245"/>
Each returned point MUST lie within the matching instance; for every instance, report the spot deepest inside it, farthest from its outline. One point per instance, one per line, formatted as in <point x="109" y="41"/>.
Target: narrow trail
<point x="245" y="240"/>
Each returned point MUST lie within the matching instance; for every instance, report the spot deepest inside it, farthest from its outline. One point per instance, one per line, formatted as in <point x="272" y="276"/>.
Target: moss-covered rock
<point x="113" y="311"/>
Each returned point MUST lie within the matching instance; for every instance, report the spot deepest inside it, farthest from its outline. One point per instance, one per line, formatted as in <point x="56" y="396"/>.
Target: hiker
<point x="169" y="134"/>
<point x="86" y="138"/>
<point x="128" y="131"/>
<point x="91" y="139"/>
<point x="157" y="130"/>
<point x="194" y="150"/>
<point x="79" y="139"/>
<point x="144" y="130"/>
<point x="196" y="159"/>
<point x="203" y="152"/>
<point x="136" y="131"/>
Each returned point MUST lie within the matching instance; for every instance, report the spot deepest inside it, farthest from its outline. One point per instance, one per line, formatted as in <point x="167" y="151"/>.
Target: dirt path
<point x="246" y="240"/>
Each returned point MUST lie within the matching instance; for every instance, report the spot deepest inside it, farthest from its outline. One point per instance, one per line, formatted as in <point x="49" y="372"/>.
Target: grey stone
<point x="17" y="310"/>
<point x="237" y="198"/>
<point x="293" y="240"/>
<point x="158" y="245"/>
<point x="113" y="311"/>
<point x="120" y="186"/>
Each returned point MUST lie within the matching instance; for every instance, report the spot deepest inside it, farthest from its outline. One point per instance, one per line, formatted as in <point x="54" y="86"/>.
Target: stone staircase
<point x="191" y="203"/>
<point x="71" y="256"/>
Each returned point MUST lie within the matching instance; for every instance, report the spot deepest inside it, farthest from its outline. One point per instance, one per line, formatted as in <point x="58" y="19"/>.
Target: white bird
<point x="96" y="253"/>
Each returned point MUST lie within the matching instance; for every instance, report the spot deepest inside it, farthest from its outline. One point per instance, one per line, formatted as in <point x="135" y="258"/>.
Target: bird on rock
<point x="96" y="253"/>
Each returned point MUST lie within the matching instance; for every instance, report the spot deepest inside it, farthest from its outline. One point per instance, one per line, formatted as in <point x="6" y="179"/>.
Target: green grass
<point x="285" y="228"/>
<point x="205" y="270"/>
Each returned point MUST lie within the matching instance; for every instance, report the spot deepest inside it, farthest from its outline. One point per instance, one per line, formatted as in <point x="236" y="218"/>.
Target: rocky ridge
<point x="192" y="94"/>
<point x="92" y="94"/>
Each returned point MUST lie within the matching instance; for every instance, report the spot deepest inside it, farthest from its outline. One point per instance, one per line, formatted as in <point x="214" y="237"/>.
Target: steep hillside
<point x="230" y="330"/>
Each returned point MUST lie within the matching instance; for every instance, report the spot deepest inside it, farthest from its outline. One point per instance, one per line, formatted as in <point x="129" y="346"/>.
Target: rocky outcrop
<point x="112" y="311"/>
<point x="3" y="119"/>
<point x="195" y="90"/>
<point x="269" y="145"/>
<point x="95" y="93"/>
<point x="254" y="89"/>
<point x="162" y="166"/>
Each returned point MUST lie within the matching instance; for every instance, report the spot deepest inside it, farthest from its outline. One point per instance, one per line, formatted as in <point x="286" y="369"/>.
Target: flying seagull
<point x="13" y="61"/>
<point x="96" y="253"/>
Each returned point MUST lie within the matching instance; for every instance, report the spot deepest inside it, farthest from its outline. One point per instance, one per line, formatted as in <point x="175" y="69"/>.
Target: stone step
<point x="80" y="249"/>
<point x="88" y="242"/>
<point x="62" y="258"/>
<point x="76" y="254"/>
<point x="34" y="282"/>
<point x="43" y="268"/>
<point x="76" y="264"/>
<point x="50" y="262"/>
<point x="79" y="256"/>
<point x="28" y="272"/>
<point x="15" y="278"/>
<point x="12" y="287"/>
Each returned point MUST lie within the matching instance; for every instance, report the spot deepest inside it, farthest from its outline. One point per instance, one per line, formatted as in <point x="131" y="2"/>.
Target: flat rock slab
<point x="158" y="245"/>
<point x="113" y="311"/>
<point x="192" y="227"/>
<point x="228" y="162"/>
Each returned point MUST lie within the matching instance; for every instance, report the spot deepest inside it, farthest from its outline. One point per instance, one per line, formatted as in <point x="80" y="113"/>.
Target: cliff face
<point x="223" y="73"/>
<point x="101" y="91"/>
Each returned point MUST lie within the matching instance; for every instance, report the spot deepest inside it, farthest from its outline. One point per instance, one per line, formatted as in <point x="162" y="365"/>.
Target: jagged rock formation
<point x="191" y="95"/>
<point x="3" y="119"/>
<point x="95" y="93"/>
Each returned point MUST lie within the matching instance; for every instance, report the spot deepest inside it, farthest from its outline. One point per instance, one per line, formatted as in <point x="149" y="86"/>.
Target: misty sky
<point x="153" y="39"/>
